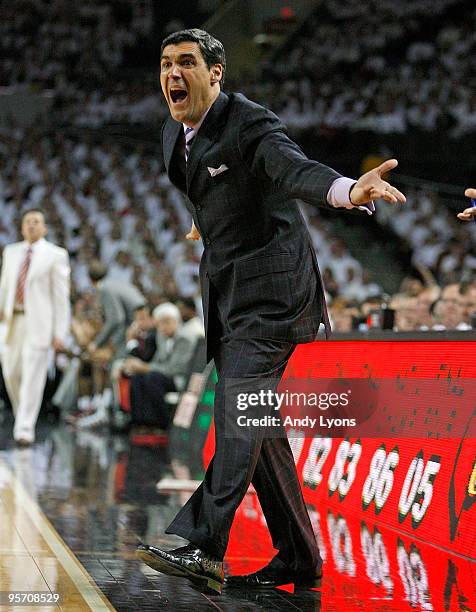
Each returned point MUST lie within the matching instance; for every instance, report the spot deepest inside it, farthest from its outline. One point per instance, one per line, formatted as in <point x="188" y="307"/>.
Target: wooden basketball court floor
<point x="34" y="558"/>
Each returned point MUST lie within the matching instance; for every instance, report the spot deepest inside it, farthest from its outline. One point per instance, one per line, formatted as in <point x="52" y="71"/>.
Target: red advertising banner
<point x="366" y="566"/>
<point x="423" y="487"/>
<point x="420" y="488"/>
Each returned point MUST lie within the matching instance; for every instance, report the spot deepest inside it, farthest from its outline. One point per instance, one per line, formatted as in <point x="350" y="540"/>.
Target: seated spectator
<point x="342" y="312"/>
<point x="141" y="344"/>
<point x="448" y="311"/>
<point x="121" y="269"/>
<point x="332" y="288"/>
<point x="84" y="381"/>
<point x="341" y="261"/>
<point x="150" y="381"/>
<point x="118" y="301"/>
<point x="372" y="303"/>
<point x="141" y="335"/>
<point x="425" y="299"/>
<point x="406" y="312"/>
<point x="187" y="272"/>
<point x="192" y="326"/>
<point x="468" y="291"/>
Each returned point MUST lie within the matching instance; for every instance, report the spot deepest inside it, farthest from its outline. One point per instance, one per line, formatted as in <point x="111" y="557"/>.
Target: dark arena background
<point x="355" y="83"/>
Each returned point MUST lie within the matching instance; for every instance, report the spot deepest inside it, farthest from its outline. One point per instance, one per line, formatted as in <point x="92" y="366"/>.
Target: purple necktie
<point x="189" y="136"/>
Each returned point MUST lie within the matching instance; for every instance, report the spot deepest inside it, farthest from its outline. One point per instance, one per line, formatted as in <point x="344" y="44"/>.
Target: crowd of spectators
<point x="105" y="201"/>
<point x="439" y="291"/>
<point x="101" y="201"/>
<point x="65" y="45"/>
<point x="416" y="307"/>
<point x="85" y="53"/>
<point x="126" y="382"/>
<point x="383" y="66"/>
<point x="442" y="248"/>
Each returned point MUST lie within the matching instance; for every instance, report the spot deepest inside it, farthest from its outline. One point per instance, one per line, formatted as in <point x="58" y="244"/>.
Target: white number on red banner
<point x="414" y="577"/>
<point x="296" y="442"/>
<point x="318" y="453"/>
<point x="417" y="490"/>
<point x="379" y="482"/>
<point x="376" y="558"/>
<point x="338" y="478"/>
<point x="341" y="544"/>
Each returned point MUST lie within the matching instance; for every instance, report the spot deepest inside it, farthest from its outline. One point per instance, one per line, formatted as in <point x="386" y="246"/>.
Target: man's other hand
<point x="193" y="234"/>
<point x="371" y="186"/>
<point x="469" y="213"/>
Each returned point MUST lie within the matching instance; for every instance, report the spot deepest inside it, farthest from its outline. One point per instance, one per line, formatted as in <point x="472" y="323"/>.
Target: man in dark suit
<point x="262" y="295"/>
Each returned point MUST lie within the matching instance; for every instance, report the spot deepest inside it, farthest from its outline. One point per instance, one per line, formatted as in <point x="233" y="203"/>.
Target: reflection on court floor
<point x="75" y="505"/>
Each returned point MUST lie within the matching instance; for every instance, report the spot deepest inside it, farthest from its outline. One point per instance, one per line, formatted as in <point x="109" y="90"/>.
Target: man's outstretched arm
<point x="270" y="153"/>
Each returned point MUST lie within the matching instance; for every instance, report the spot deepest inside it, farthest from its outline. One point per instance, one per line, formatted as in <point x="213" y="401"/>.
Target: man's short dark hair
<point x="211" y="48"/>
<point x="97" y="270"/>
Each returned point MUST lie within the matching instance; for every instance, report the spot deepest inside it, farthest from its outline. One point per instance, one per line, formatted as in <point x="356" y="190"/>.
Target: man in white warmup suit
<point x="35" y="307"/>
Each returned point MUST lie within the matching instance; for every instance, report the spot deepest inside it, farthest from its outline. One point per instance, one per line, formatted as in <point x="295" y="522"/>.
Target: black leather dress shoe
<point x="203" y="570"/>
<point x="273" y="575"/>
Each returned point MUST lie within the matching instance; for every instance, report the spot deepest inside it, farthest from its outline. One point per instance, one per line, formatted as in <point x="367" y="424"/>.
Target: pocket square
<point x="217" y="171"/>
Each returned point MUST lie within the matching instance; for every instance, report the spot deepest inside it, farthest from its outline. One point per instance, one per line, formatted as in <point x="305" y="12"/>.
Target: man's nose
<point x="175" y="72"/>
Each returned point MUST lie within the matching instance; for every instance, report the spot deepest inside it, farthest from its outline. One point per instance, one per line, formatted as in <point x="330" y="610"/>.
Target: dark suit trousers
<point x="251" y="456"/>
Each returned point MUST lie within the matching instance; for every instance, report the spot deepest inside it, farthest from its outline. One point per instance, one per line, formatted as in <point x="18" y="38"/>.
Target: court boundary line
<point x="82" y="580"/>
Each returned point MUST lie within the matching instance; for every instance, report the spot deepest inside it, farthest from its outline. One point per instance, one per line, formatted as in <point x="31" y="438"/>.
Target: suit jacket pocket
<point x="268" y="264"/>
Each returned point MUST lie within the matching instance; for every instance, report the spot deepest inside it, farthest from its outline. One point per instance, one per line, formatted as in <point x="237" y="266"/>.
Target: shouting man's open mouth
<point x="178" y="95"/>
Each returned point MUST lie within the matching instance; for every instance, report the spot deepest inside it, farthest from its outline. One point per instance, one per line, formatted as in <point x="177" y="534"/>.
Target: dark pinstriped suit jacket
<point x="258" y="270"/>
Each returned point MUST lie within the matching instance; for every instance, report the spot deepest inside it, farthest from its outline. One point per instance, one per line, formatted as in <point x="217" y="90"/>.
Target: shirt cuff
<point x="338" y="195"/>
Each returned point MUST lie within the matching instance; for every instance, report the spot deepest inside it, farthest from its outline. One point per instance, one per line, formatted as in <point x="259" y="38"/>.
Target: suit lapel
<point x="38" y="257"/>
<point x="171" y="135"/>
<point x="18" y="256"/>
<point x="206" y="135"/>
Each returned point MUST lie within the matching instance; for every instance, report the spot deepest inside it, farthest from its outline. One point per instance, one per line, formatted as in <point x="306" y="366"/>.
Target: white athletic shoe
<point x="97" y="419"/>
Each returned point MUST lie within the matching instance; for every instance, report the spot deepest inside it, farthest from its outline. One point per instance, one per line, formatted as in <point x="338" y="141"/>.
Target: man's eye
<point x="188" y="62"/>
<point x="165" y="65"/>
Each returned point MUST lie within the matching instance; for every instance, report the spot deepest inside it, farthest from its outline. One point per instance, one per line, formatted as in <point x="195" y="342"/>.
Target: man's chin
<point x="179" y="115"/>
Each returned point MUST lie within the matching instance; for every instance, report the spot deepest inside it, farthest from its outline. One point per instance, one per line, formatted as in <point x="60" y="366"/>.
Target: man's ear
<point x="217" y="72"/>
